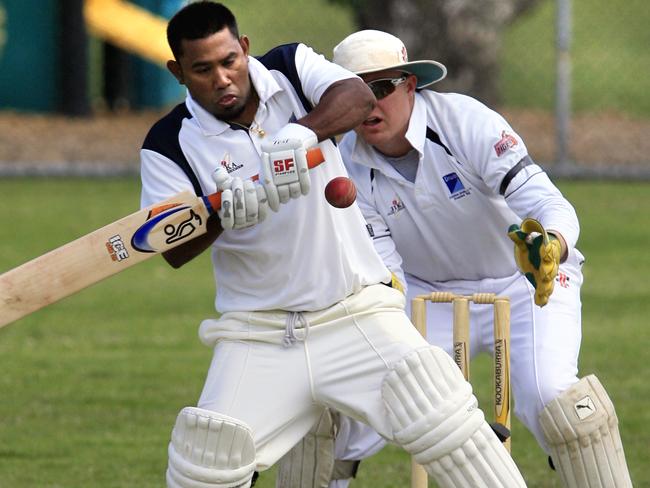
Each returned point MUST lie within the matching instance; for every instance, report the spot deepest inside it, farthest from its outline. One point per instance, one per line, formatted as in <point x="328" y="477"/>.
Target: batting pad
<point x="581" y="429"/>
<point x="210" y="450"/>
<point x="436" y="418"/>
<point x="310" y="463"/>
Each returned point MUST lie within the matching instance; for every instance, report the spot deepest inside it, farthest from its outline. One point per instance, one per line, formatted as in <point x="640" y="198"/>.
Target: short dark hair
<point x="198" y="20"/>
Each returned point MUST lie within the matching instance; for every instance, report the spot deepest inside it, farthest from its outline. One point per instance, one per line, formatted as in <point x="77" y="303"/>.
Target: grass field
<point x="90" y="387"/>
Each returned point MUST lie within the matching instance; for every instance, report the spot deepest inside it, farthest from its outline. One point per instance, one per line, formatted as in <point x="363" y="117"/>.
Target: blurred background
<point x="82" y="80"/>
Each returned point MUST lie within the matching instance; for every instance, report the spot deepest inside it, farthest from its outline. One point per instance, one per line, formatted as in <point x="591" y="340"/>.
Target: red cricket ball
<point x="340" y="192"/>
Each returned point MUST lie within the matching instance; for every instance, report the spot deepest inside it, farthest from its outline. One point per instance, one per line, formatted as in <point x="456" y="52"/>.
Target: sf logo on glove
<point x="284" y="168"/>
<point x="280" y="166"/>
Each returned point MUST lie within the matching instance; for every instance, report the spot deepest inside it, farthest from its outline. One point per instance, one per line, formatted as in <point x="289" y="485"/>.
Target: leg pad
<point x="310" y="463"/>
<point x="436" y="418"/>
<point x="210" y="450"/>
<point x="581" y="429"/>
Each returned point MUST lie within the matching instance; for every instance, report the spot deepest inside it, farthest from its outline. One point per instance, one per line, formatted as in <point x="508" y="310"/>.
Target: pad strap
<point x="344" y="470"/>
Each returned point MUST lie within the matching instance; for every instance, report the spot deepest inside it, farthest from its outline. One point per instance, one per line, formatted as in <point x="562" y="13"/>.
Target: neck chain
<point x="254" y="126"/>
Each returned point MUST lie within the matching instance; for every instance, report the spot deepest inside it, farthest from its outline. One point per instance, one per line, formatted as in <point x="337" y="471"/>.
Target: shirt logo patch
<point x="507" y="141"/>
<point x="396" y="206"/>
<point x="370" y="230"/>
<point x="562" y="279"/>
<point x="230" y="165"/>
<point x="455" y="186"/>
<point x="453" y="183"/>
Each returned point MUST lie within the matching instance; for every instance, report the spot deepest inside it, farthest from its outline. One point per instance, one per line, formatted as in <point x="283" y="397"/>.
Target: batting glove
<point x="285" y="173"/>
<point x="243" y="203"/>
<point x="537" y="254"/>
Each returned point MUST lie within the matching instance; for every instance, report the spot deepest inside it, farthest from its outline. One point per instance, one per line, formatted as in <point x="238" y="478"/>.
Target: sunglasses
<point x="383" y="87"/>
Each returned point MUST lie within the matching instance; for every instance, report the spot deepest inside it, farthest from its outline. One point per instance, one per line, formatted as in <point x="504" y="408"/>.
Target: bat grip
<point x="314" y="158"/>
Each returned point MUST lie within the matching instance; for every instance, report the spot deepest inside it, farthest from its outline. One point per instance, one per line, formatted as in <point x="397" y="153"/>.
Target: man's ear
<point x="411" y="82"/>
<point x="175" y="69"/>
<point x="245" y="43"/>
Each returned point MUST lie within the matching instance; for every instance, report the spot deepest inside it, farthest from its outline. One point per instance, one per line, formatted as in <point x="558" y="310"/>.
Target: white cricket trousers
<point x="338" y="359"/>
<point x="544" y="346"/>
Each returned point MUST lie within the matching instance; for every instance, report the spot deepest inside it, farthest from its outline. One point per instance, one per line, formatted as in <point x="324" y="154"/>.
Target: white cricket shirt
<point x="308" y="255"/>
<point x="474" y="180"/>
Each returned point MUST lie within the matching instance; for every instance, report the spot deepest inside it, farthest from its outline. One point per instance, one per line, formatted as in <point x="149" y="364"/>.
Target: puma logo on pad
<point x="585" y="408"/>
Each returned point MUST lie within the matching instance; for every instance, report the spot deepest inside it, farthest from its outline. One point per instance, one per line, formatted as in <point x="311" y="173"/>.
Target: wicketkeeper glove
<point x="396" y="283"/>
<point x="537" y="254"/>
<point x="285" y="173"/>
<point x="243" y="203"/>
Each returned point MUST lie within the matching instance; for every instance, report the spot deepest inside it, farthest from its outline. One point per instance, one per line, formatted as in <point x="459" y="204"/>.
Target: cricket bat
<point x="109" y="250"/>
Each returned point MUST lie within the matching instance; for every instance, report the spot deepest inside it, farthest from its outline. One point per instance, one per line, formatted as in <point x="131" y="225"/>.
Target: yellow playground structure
<point x="129" y="27"/>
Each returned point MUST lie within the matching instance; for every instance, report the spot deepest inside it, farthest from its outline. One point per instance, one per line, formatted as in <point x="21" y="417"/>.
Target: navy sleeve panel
<point x="283" y="59"/>
<point x="525" y="161"/>
<point x="433" y="136"/>
<point x="163" y="138"/>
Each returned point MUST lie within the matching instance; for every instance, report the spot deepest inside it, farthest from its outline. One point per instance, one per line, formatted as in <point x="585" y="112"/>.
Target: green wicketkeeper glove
<point x="537" y="253"/>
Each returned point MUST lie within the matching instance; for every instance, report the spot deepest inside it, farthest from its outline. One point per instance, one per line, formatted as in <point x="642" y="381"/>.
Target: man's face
<point x="387" y="124"/>
<point x="215" y="71"/>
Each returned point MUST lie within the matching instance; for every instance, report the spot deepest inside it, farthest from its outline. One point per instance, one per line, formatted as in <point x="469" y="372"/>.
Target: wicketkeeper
<point x="446" y="186"/>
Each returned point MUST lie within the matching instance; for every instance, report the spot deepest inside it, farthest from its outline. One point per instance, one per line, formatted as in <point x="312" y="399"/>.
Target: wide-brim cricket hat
<point x="368" y="51"/>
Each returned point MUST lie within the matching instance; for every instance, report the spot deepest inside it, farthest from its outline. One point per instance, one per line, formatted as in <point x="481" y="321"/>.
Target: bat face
<point x="101" y="254"/>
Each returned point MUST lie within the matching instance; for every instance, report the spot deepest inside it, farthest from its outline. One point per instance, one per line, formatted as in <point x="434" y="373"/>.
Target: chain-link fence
<point x="572" y="76"/>
<point x="574" y="82"/>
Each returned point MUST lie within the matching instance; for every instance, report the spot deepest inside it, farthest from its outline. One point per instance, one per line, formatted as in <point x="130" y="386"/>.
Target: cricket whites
<point x="108" y="251"/>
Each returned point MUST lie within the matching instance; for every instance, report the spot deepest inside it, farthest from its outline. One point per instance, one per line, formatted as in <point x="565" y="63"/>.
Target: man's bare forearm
<point x="343" y="106"/>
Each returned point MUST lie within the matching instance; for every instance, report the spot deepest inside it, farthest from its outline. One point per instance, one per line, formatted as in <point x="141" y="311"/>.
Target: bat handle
<point x="213" y="201"/>
<point x="314" y="157"/>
